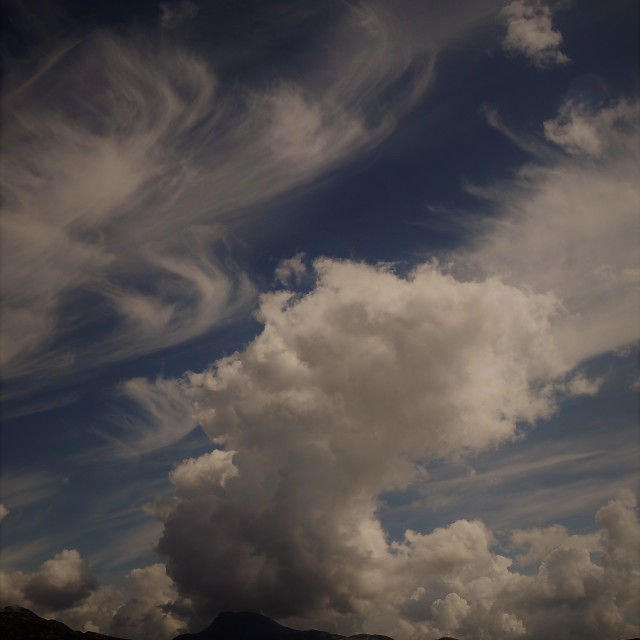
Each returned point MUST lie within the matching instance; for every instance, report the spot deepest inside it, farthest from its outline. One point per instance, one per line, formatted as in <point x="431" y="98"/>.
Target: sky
<point x="324" y="310"/>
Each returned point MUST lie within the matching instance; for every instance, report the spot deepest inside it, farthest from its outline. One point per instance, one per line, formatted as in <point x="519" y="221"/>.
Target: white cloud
<point x="343" y="392"/>
<point x="121" y="186"/>
<point x="4" y="512"/>
<point x="581" y="130"/>
<point x="540" y="542"/>
<point x="352" y="386"/>
<point x="579" y="385"/>
<point x="291" y="270"/>
<point x="200" y="476"/>
<point x="530" y="33"/>
<point x="569" y="226"/>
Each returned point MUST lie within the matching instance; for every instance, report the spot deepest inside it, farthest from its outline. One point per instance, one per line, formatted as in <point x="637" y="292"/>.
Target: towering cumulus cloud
<point x="343" y="393"/>
<point x="341" y="397"/>
<point x="353" y="386"/>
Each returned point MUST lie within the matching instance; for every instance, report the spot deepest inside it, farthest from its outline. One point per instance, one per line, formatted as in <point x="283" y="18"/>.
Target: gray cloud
<point x="64" y="588"/>
<point x="452" y="580"/>
<point x="60" y="583"/>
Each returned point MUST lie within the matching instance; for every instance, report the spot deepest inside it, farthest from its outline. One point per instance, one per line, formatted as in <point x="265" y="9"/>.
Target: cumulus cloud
<point x="64" y="588"/>
<point x="582" y="130"/>
<point x="337" y="400"/>
<point x="353" y="387"/>
<point x="60" y="582"/>
<point x="530" y="33"/>
<point x="200" y="476"/>
<point x="454" y="580"/>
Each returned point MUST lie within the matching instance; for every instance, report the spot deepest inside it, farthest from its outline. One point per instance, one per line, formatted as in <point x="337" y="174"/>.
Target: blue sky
<point x="323" y="310"/>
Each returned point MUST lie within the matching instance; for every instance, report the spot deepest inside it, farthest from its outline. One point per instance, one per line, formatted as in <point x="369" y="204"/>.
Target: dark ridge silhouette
<point x="18" y="623"/>
<point x="253" y="626"/>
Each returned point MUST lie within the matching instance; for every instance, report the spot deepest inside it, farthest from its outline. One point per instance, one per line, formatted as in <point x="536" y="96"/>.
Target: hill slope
<point x="18" y="623"/>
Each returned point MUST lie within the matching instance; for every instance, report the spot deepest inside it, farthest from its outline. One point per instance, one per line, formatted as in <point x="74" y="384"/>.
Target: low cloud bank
<point x="455" y="580"/>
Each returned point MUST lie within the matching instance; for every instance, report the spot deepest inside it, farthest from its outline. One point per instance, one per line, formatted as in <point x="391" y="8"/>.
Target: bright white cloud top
<point x="271" y="391"/>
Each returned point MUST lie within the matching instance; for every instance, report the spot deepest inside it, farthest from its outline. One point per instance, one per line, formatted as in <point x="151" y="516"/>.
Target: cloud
<point x="451" y="580"/>
<point x="14" y="555"/>
<point x="22" y="489"/>
<point x="4" y="512"/>
<point x="144" y="613"/>
<point x="200" y="476"/>
<point x="130" y="165"/>
<point x="582" y="130"/>
<point x="162" y="416"/>
<point x="353" y="387"/>
<point x="517" y="486"/>
<point x="530" y="33"/>
<point x="567" y="225"/>
<point x="64" y="588"/>
<point x="579" y="385"/>
<point x="291" y="270"/>
<point x="345" y="390"/>
<point x="60" y="583"/>
<point x="540" y="542"/>
<point x="174" y="14"/>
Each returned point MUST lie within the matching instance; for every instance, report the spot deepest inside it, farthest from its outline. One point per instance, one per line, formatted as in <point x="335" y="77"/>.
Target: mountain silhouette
<point x="253" y="626"/>
<point x="18" y="623"/>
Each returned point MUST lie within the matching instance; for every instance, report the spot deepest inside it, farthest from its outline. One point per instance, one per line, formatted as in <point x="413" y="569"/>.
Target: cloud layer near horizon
<point x="451" y="581"/>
